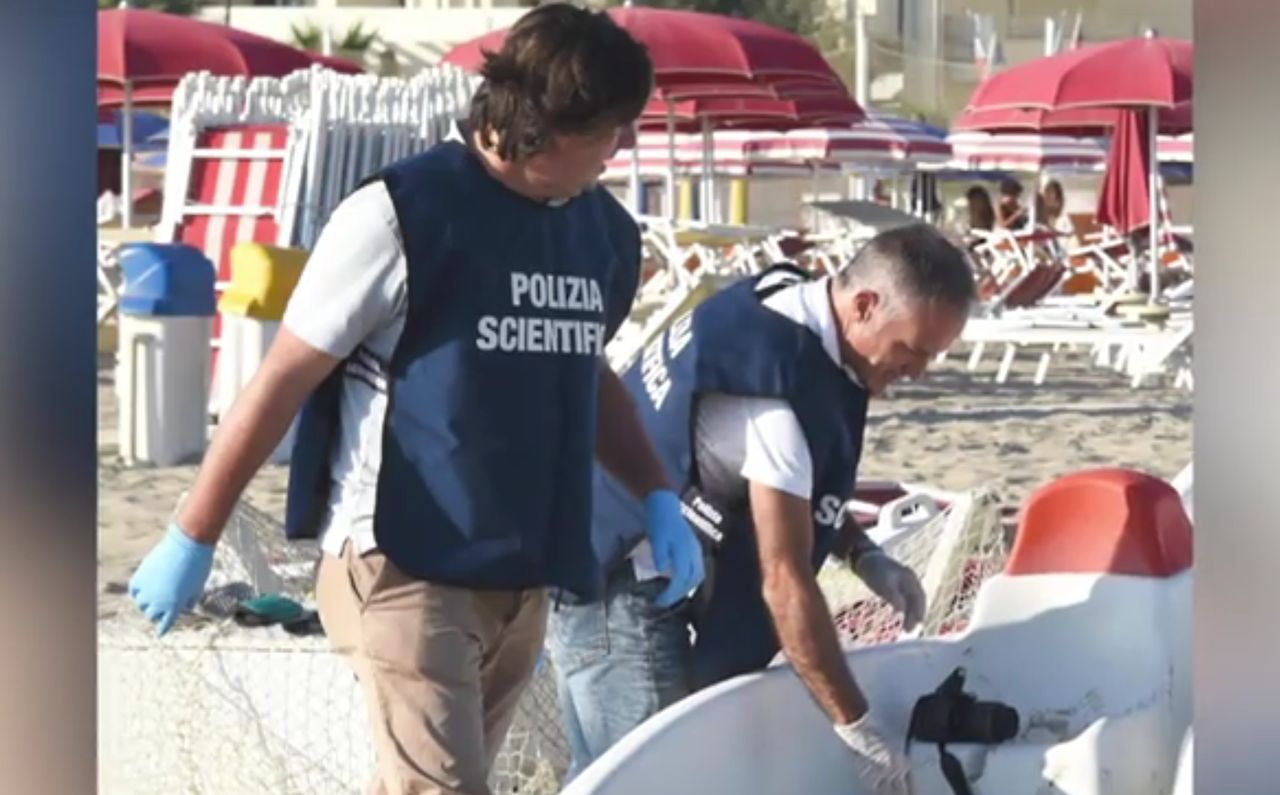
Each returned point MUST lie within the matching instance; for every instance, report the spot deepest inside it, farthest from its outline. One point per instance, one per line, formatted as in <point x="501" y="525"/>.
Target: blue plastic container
<point x="166" y="280"/>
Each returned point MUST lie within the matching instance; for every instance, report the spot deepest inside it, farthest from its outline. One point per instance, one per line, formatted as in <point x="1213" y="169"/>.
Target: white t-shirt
<point x="760" y="439"/>
<point x="351" y="299"/>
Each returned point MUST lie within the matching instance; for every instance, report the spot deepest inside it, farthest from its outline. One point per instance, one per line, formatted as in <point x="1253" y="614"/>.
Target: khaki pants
<point x="442" y="668"/>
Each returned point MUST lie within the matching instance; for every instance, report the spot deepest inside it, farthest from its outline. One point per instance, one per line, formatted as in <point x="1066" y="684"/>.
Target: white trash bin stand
<point x="162" y="371"/>
<point x="244" y="342"/>
<point x="251" y="309"/>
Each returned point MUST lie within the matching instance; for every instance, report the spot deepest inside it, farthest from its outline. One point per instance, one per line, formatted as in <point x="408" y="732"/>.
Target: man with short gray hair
<point x="756" y="401"/>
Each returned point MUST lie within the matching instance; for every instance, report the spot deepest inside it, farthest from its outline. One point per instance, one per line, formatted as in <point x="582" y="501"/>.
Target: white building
<point x="415" y="33"/>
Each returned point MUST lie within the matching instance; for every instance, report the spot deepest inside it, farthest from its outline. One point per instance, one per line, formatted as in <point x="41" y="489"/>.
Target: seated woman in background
<point x="1011" y="214"/>
<point x="1055" y="216"/>
<point x="982" y="218"/>
<point x="981" y="214"/>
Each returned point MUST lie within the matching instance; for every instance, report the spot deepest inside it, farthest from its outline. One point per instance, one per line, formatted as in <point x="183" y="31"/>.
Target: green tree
<point x="308" y="37"/>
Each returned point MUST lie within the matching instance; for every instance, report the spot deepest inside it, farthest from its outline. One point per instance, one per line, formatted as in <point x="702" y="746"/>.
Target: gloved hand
<point x="171" y="577"/>
<point x="676" y="551"/>
<point x="894" y="583"/>
<point x="882" y="769"/>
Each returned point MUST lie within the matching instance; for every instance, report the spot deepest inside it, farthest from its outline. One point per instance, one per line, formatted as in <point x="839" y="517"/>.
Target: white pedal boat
<point x="1086" y="633"/>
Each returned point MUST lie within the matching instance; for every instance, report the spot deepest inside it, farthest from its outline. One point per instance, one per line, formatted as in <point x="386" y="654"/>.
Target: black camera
<point x="950" y="715"/>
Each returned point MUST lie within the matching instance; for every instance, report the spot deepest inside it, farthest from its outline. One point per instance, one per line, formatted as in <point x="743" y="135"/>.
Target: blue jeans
<point x="617" y="662"/>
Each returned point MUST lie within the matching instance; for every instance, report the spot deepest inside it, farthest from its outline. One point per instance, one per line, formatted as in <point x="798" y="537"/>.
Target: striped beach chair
<point x="228" y="184"/>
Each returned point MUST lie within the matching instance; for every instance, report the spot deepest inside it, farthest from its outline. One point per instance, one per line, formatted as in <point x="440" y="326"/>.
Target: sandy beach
<point x="135" y="503"/>
<point x="952" y="430"/>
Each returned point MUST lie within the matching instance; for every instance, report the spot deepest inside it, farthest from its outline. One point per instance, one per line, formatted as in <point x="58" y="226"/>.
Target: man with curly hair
<point x="445" y="347"/>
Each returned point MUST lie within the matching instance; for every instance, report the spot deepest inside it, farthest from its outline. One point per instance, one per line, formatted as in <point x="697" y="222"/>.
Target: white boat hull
<point x="1097" y="663"/>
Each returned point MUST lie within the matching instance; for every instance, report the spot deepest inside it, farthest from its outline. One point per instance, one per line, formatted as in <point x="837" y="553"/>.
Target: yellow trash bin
<point x="251" y="308"/>
<point x="262" y="279"/>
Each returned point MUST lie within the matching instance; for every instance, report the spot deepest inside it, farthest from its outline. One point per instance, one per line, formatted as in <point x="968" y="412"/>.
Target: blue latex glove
<point x="171" y="577"/>
<point x="676" y="551"/>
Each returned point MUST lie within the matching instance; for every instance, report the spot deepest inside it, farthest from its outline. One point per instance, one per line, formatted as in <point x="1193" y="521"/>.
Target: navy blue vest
<point x="490" y="435"/>
<point x="733" y="344"/>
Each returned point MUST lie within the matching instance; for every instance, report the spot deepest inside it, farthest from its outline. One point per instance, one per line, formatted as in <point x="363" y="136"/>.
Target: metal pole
<point x="862" y="75"/>
<point x="633" y="184"/>
<point x="1153" y="191"/>
<point x="935" y="54"/>
<point x="671" y="160"/>
<point x="707" y="158"/>
<point x="126" y="158"/>
<point x="862" y="56"/>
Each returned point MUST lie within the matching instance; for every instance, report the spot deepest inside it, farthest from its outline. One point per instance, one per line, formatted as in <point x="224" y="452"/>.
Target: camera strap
<point x="953" y="771"/>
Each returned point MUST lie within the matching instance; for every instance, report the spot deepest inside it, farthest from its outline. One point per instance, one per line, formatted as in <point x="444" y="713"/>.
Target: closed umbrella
<point x="1123" y="202"/>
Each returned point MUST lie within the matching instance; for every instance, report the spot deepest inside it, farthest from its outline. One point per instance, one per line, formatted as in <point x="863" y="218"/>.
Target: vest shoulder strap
<point x="780" y="276"/>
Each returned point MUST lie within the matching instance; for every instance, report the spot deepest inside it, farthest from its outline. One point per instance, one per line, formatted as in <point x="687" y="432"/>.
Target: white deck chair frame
<point x="1141" y="352"/>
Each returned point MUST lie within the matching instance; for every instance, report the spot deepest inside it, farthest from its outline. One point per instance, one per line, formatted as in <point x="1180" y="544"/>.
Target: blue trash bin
<point x="167" y="306"/>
